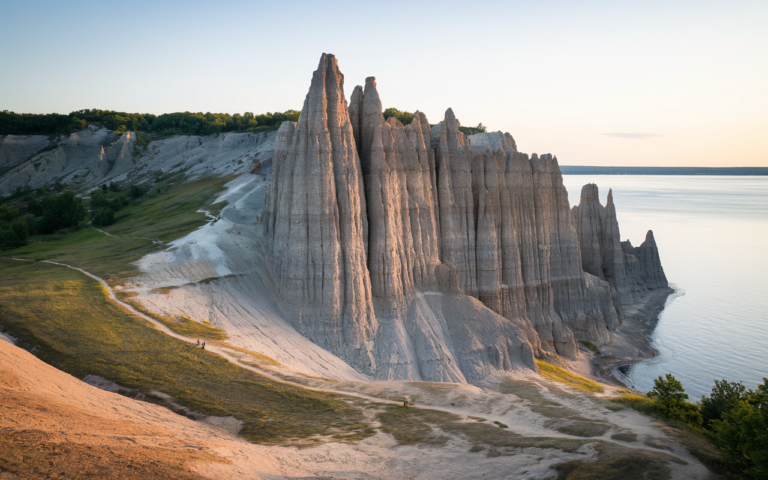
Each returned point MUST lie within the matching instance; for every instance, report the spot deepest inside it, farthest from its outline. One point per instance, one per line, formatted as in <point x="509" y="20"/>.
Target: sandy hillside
<point x="54" y="425"/>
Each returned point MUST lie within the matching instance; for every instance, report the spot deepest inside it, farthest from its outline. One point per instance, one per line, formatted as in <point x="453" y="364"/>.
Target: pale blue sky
<point x="596" y="83"/>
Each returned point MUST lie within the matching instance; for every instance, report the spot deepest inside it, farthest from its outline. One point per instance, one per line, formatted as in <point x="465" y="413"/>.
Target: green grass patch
<point x="625" y="436"/>
<point x="641" y="403"/>
<point x="617" y="463"/>
<point x="591" y="346"/>
<point x="64" y="318"/>
<point x="409" y="426"/>
<point x="163" y="290"/>
<point x="163" y="217"/>
<point x="557" y="374"/>
<point x="585" y="429"/>
<point x="181" y="324"/>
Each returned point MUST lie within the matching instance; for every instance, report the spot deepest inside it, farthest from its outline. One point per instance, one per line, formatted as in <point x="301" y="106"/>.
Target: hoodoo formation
<point x="417" y="252"/>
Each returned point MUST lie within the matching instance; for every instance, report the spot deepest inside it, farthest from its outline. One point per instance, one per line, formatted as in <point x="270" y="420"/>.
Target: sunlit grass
<point x="65" y="319"/>
<point x="557" y="374"/>
<point x="181" y="324"/>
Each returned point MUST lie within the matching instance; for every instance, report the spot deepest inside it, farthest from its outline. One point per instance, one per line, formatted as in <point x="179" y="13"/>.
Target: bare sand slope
<point x="55" y="425"/>
<point x="218" y="273"/>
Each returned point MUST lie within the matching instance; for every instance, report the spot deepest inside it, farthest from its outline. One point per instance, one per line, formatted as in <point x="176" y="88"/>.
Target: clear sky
<point x="667" y="83"/>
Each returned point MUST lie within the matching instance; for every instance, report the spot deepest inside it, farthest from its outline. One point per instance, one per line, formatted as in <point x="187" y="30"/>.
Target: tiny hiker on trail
<point x="198" y="342"/>
<point x="203" y="345"/>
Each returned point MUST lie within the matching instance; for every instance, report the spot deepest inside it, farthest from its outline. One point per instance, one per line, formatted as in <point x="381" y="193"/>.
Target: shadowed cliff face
<point x="420" y="253"/>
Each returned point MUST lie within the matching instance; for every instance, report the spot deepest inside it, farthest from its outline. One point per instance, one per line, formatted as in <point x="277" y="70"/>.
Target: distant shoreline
<point x="727" y="171"/>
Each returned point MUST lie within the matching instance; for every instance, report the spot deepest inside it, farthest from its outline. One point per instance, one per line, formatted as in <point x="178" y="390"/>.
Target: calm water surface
<point x="712" y="234"/>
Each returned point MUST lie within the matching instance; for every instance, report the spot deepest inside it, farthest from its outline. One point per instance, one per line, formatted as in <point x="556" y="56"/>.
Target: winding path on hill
<point x="695" y="467"/>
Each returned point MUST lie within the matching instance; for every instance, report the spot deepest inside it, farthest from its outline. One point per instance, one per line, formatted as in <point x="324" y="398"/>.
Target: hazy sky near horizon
<point x="654" y="83"/>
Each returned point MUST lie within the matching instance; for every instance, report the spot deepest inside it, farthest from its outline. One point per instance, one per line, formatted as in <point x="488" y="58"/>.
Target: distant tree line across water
<point x="588" y="170"/>
<point x="182" y="123"/>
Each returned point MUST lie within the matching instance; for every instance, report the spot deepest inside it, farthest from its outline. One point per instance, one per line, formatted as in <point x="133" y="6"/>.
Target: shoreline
<point x="631" y="342"/>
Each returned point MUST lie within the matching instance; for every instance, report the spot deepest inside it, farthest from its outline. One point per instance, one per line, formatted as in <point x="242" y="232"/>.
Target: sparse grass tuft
<point x="34" y="454"/>
<point x="585" y="429"/>
<point x="625" y="436"/>
<point x="634" y="465"/>
<point x="641" y="403"/>
<point x="557" y="374"/>
<point x="409" y="426"/>
<point x="181" y="324"/>
<point x="163" y="290"/>
<point x="591" y="346"/>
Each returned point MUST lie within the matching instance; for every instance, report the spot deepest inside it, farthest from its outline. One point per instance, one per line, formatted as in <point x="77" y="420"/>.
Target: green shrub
<point x="739" y="419"/>
<point x="404" y="117"/>
<point x="10" y="236"/>
<point x="742" y="436"/>
<point x="108" y="199"/>
<point x="480" y="128"/>
<point x="102" y="217"/>
<point x="137" y="191"/>
<point x="725" y="396"/>
<point x="61" y="211"/>
<point x="8" y="214"/>
<point x="670" y="398"/>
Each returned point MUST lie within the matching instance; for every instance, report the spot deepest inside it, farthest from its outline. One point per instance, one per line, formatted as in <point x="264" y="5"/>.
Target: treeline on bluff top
<point x="407" y="117"/>
<point x="185" y="123"/>
<point x="44" y="211"/>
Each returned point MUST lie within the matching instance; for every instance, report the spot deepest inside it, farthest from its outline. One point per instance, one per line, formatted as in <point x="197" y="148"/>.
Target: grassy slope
<point x="66" y="319"/>
<point x="164" y="217"/>
<point x="557" y="374"/>
<point x="79" y="331"/>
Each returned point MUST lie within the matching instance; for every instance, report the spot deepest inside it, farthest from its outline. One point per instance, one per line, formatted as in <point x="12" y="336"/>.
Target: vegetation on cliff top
<point x="407" y="117"/>
<point x="180" y="123"/>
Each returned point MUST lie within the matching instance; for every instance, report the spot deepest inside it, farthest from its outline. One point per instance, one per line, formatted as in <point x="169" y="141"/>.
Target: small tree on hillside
<point x="670" y="398"/>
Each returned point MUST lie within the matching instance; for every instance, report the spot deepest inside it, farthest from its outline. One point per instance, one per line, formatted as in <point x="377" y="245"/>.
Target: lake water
<point x="712" y="234"/>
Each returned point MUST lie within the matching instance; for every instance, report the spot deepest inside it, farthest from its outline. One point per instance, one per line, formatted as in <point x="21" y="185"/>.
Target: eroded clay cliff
<point x="416" y="252"/>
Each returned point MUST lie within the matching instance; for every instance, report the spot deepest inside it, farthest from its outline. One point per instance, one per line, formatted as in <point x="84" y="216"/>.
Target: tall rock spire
<point x="588" y="217"/>
<point x="313" y="224"/>
<point x="402" y="251"/>
<point x="630" y="271"/>
<point x="457" y="210"/>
